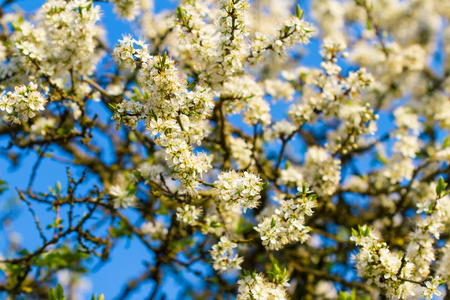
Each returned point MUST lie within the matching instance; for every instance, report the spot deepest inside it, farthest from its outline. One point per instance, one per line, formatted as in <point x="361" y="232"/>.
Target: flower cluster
<point x="234" y="190"/>
<point x="241" y="152"/>
<point x="432" y="288"/>
<point x="444" y="263"/>
<point x="407" y="145"/>
<point x="222" y="253"/>
<point x="292" y="31"/>
<point x="213" y="39"/>
<point x="42" y="126"/>
<point x="292" y="175"/>
<point x="122" y="197"/>
<point x="155" y="230"/>
<point x="420" y="249"/>
<point x="64" y="39"/>
<point x="256" y="286"/>
<point x="198" y="39"/>
<point x="127" y="9"/>
<point x="232" y="24"/>
<point x="380" y="266"/>
<point x="411" y="58"/>
<point x="267" y="13"/>
<point x="281" y="129"/>
<point x="151" y="172"/>
<point x="22" y="103"/>
<point x="390" y="271"/>
<point x="244" y="92"/>
<point x="188" y="214"/>
<point x="327" y="95"/>
<point x="173" y="113"/>
<point x="286" y="225"/>
<point x="322" y="169"/>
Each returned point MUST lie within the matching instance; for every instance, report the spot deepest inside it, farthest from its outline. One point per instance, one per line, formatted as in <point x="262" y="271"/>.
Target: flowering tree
<point x="228" y="152"/>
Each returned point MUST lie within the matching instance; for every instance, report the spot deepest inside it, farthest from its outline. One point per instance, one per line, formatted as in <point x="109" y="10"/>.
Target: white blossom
<point x="258" y="287"/>
<point x="286" y="225"/>
<point x="238" y="190"/>
<point x="22" y="103"/>
<point x="188" y="214"/>
<point x="322" y="169"/>
<point x="122" y="198"/>
<point x="224" y="257"/>
<point x="128" y="9"/>
<point x="155" y="230"/>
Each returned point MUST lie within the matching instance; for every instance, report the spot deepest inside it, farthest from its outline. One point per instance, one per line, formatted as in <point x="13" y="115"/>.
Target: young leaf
<point x="446" y="143"/>
<point x="163" y="61"/>
<point x="59" y="292"/>
<point x="162" y="210"/>
<point x="180" y="14"/>
<point x="51" y="294"/>
<point x="299" y="12"/>
<point x="440" y="187"/>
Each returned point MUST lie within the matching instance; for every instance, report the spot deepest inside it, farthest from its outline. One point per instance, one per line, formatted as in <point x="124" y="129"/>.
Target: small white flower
<point x="121" y="197"/>
<point x="188" y="214"/>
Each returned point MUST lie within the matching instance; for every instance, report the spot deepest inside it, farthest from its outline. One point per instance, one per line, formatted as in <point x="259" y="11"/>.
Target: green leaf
<point x="162" y="211"/>
<point x="121" y="230"/>
<point x="440" y="187"/>
<point x="131" y="189"/>
<point x="180" y="13"/>
<point x="61" y="131"/>
<point x="275" y="265"/>
<point x="192" y="85"/>
<point x="299" y="12"/>
<point x="215" y="224"/>
<point x="100" y="297"/>
<point x="163" y="60"/>
<point x="51" y="294"/>
<point x="59" y="292"/>
<point x="382" y="158"/>
<point x="3" y="186"/>
<point x="58" y="187"/>
<point x="264" y="185"/>
<point x="153" y="115"/>
<point x="137" y="92"/>
<point x="242" y="226"/>
<point x="446" y="143"/>
<point x="312" y="197"/>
